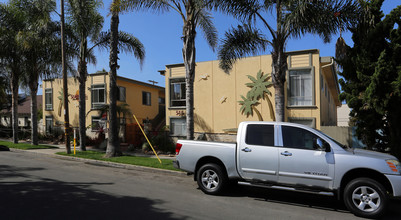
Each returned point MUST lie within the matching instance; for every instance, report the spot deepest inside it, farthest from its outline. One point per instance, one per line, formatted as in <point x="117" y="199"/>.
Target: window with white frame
<point x="177" y="92"/>
<point x="121" y="94"/>
<point x="178" y="126"/>
<point x="49" y="124"/>
<point x="95" y="123"/>
<point x="49" y="99"/>
<point x="301" y="87"/>
<point x="98" y="96"/>
<point x="146" y="98"/>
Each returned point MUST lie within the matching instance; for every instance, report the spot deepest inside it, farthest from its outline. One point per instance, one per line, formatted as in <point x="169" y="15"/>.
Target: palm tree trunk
<point x="14" y="104"/>
<point x="113" y="145"/>
<point x="278" y="77"/>
<point x="189" y="53"/>
<point x="82" y="104"/>
<point x="33" y="86"/>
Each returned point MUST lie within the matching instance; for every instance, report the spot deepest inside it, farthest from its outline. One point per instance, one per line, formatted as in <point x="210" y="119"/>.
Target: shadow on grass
<point x="28" y="197"/>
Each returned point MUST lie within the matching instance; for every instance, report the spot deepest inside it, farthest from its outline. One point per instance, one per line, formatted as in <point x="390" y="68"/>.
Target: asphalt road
<point x="35" y="186"/>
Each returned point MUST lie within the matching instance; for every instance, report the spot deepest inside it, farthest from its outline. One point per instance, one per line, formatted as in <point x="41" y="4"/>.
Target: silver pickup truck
<point x="294" y="157"/>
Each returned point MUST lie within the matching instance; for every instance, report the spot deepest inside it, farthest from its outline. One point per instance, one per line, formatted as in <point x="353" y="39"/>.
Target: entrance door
<point x="258" y="156"/>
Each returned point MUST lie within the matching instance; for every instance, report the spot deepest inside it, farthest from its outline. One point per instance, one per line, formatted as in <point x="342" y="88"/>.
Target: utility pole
<point x="65" y="89"/>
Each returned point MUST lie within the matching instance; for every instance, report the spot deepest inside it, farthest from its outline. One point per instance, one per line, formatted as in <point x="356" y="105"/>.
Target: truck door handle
<point x="246" y="149"/>
<point x="286" y="153"/>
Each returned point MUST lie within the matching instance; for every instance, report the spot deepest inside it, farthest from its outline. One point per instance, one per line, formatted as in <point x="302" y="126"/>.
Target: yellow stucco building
<point x="311" y="93"/>
<point x="143" y="99"/>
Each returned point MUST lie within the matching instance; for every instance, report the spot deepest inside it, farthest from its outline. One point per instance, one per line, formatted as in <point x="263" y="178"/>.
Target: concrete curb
<point x="103" y="163"/>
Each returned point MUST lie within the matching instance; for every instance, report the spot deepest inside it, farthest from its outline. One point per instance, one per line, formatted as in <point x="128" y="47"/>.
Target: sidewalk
<point x="61" y="148"/>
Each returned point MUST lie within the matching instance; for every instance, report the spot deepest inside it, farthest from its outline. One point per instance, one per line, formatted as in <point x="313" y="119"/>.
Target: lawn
<point x="24" y="146"/>
<point x="126" y="159"/>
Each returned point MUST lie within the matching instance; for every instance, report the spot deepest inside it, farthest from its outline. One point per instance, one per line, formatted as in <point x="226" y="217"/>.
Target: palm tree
<point x="41" y="52"/>
<point x="86" y="22"/>
<point x="136" y="47"/>
<point x="12" y="21"/>
<point x="248" y="106"/>
<point x="260" y="90"/>
<point x="293" y="19"/>
<point x="194" y="14"/>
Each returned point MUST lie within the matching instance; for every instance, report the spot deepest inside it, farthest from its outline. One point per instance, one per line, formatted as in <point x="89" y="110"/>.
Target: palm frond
<point x="134" y="5"/>
<point x="205" y="22"/>
<point x="323" y="18"/>
<point x="240" y="9"/>
<point x="130" y="44"/>
<point x="238" y="43"/>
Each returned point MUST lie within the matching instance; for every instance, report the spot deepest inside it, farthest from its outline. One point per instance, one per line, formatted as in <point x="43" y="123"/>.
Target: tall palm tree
<point x="41" y="51"/>
<point x="12" y="21"/>
<point x="293" y="19"/>
<point x="194" y="14"/>
<point x="86" y="22"/>
<point x="136" y="47"/>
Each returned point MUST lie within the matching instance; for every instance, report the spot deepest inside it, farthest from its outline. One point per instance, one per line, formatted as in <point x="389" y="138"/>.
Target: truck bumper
<point x="176" y="164"/>
<point x="395" y="181"/>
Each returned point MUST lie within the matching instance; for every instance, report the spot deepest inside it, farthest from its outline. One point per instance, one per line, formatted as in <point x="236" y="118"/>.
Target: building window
<point x="310" y="122"/>
<point x="121" y="94"/>
<point x="146" y="98"/>
<point x="49" y="99"/>
<point x="49" y="124"/>
<point x="98" y="96"/>
<point x="162" y="101"/>
<point x="178" y="126"/>
<point x="301" y="87"/>
<point x="177" y="92"/>
<point x="96" y="125"/>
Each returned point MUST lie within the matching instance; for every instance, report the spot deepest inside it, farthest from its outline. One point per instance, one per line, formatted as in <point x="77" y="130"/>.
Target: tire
<point x="365" y="197"/>
<point x="211" y="179"/>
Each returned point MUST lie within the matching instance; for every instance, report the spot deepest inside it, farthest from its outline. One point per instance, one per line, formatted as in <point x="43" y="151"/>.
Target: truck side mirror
<point x="322" y="145"/>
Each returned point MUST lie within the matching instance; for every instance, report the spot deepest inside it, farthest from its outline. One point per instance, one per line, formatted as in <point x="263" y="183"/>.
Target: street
<point x="36" y="186"/>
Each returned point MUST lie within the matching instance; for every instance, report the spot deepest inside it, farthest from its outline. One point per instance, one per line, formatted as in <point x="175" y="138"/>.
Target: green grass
<point x="24" y="146"/>
<point x="133" y="160"/>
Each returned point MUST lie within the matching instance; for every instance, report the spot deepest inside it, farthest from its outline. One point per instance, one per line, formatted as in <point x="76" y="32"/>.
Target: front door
<point x="258" y="156"/>
<point x="301" y="162"/>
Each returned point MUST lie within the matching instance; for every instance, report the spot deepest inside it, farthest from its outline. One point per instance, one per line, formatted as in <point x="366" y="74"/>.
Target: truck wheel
<point x="365" y="197"/>
<point x="211" y="179"/>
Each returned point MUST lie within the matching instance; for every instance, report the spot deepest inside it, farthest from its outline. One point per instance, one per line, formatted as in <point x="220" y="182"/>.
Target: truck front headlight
<point x="394" y="165"/>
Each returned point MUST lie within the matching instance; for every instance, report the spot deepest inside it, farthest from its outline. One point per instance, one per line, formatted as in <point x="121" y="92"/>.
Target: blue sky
<point x="161" y="36"/>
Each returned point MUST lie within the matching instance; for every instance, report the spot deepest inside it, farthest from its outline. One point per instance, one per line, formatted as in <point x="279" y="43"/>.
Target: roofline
<point x="140" y="83"/>
<point x="121" y="78"/>
<point x="287" y="53"/>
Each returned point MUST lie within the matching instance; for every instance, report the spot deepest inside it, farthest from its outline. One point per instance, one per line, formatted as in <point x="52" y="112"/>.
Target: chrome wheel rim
<point x="366" y="199"/>
<point x="210" y="180"/>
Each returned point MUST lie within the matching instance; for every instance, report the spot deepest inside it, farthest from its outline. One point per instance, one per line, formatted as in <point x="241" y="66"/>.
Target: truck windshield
<point x="332" y="139"/>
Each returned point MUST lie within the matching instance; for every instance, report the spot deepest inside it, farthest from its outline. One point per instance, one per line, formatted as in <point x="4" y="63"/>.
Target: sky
<point x="161" y="37"/>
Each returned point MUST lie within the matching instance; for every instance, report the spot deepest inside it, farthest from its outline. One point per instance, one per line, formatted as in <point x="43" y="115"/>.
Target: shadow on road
<point x="312" y="201"/>
<point x="28" y="197"/>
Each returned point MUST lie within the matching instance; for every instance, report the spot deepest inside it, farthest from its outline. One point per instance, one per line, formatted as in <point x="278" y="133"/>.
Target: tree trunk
<point x="189" y="53"/>
<point x="113" y="145"/>
<point x="14" y="104"/>
<point x="33" y="86"/>
<point x="279" y="67"/>
<point x="82" y="104"/>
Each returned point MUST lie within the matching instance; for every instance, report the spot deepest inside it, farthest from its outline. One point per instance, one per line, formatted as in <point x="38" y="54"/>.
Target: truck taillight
<point x="177" y="148"/>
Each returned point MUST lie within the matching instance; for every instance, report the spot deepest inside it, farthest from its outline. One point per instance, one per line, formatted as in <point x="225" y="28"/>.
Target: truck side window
<point x="299" y="138"/>
<point x="260" y="135"/>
